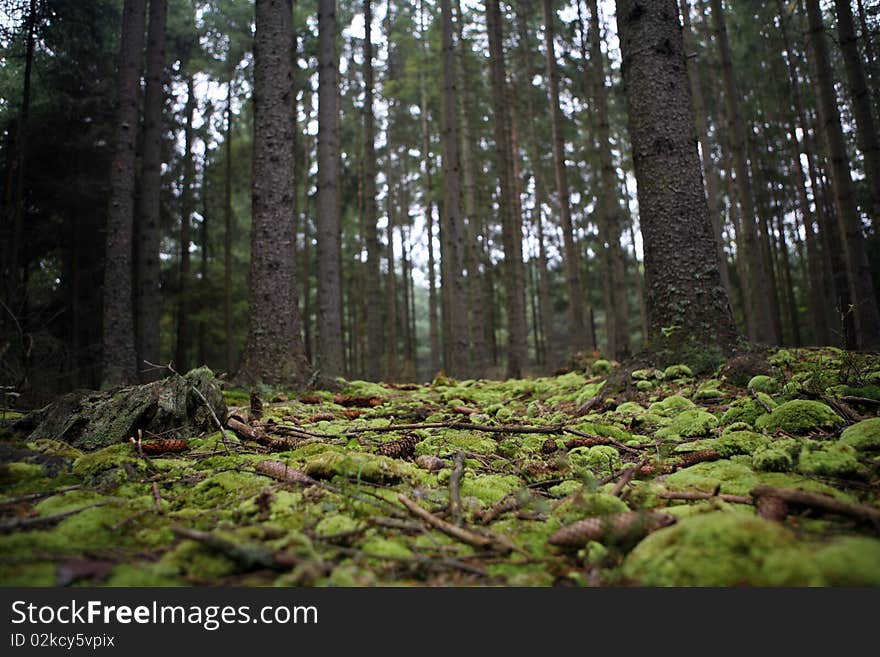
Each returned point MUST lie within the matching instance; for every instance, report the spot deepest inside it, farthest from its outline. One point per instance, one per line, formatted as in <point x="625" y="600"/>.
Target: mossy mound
<point x="359" y="466"/>
<point x="864" y="435"/>
<point x="799" y="416"/>
<point x="689" y="424"/>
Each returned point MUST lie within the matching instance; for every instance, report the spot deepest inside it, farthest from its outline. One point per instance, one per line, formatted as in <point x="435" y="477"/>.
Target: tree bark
<point x="374" y="300"/>
<point x="274" y="352"/>
<point x="866" y="131"/>
<point x="617" y="324"/>
<point x="517" y="351"/>
<point x="861" y="288"/>
<point x="118" y="337"/>
<point x="577" y="334"/>
<point x="227" y="232"/>
<point x="688" y="308"/>
<point x="757" y="285"/>
<point x="329" y="357"/>
<point x="181" y="354"/>
<point x="149" y="306"/>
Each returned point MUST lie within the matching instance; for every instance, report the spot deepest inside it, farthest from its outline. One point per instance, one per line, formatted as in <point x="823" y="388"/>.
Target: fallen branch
<point x="36" y="496"/>
<point x="17" y="524"/>
<point x="699" y="495"/>
<point x="509" y="503"/>
<point x="459" y="533"/>
<point x="820" y="502"/>
<point x="627" y="477"/>
<point x="249" y="557"/>
<point x="157" y="497"/>
<point x="455" y="489"/>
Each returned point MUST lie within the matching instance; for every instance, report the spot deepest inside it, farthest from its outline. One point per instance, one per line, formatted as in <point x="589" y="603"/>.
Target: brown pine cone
<point x="322" y="417"/>
<point x="155" y="447"/>
<point x="352" y="413"/>
<point x="692" y="458"/>
<point x="549" y="446"/>
<point x="585" y="442"/>
<point x="403" y="448"/>
<point x="283" y="472"/>
<point x="629" y="525"/>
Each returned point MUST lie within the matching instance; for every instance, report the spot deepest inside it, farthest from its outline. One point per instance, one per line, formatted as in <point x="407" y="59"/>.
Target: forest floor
<point x="735" y="479"/>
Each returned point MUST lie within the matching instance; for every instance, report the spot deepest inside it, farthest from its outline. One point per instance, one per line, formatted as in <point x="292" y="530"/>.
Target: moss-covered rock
<point x="585" y="504"/>
<point x="745" y="410"/>
<point x="671" y="406"/>
<point x="490" y="488"/>
<point x="109" y="466"/>
<point x="771" y="458"/>
<point x="864" y="435"/>
<point x="799" y="416"/>
<point x="724" y="548"/>
<point x="677" y="372"/>
<point x="689" y="424"/>
<point x="729" y="444"/>
<point x="600" y="367"/>
<point x="763" y="383"/>
<point x="647" y="374"/>
<point x="360" y="465"/>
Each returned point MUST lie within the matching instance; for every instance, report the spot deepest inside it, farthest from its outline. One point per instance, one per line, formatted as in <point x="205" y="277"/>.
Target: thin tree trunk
<point x="616" y="311"/>
<point x="329" y="357"/>
<point x="861" y="288"/>
<point x="203" y="266"/>
<point x="577" y="334"/>
<point x="181" y="357"/>
<point x="149" y="306"/>
<point x="700" y="114"/>
<point x="118" y="336"/>
<point x="374" y="301"/>
<point x="681" y="261"/>
<point x="640" y="279"/>
<point x="274" y="351"/>
<point x="870" y="56"/>
<point x="757" y="284"/>
<point x="511" y="233"/>
<point x="866" y="131"/>
<point x="227" y="234"/>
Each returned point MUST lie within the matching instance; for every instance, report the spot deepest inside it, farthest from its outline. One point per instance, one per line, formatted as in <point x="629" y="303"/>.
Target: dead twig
<point x="626" y="477"/>
<point x="157" y="497"/>
<point x="17" y="524"/>
<point x="459" y="533"/>
<point x="30" y="497"/>
<point x="248" y="557"/>
<point x="699" y="495"/>
<point x="821" y="502"/>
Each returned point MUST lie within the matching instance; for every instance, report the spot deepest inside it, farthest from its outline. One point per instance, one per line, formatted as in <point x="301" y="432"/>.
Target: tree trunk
<point x="274" y="352"/>
<point x="149" y="306"/>
<point x="617" y="324"/>
<point x="308" y="335"/>
<point x="329" y="358"/>
<point x="181" y="356"/>
<point x="118" y="341"/>
<point x="391" y="314"/>
<point x="517" y="353"/>
<point x="374" y="300"/>
<point x="457" y="338"/>
<point x="688" y="309"/>
<point x="870" y="56"/>
<point x="700" y="114"/>
<point x="757" y="284"/>
<point x="866" y="131"/>
<point x="861" y="288"/>
<point x="577" y="334"/>
<point x="227" y="233"/>
<point x="203" y="266"/>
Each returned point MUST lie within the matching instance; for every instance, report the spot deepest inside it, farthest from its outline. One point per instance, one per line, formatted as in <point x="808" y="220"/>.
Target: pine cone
<point x="403" y="448"/>
<point x="549" y="446"/>
<point x="692" y="458"/>
<point x="772" y="508"/>
<point x="282" y="443"/>
<point x="155" y="447"/>
<point x="430" y="463"/>
<point x="322" y="417"/>
<point x="282" y="472"/>
<point x="311" y="399"/>
<point x="631" y="525"/>
<point x="363" y="402"/>
<point x="352" y="413"/>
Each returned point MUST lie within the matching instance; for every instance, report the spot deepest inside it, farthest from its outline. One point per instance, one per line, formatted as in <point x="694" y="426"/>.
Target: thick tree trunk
<point x="757" y="284"/>
<point x="517" y="352"/>
<point x="274" y="351"/>
<point x="457" y="338"/>
<point x="577" y="334"/>
<point x="870" y="56"/>
<point x="866" y="131"/>
<point x="374" y="300"/>
<point x="700" y="114"/>
<point x="329" y="357"/>
<point x="149" y="306"/>
<point x="181" y="354"/>
<point x="861" y="288"/>
<point x="688" y="309"/>
<point x="617" y="324"/>
<point x="118" y="342"/>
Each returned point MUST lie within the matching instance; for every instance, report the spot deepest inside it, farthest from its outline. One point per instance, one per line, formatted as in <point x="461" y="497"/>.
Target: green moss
<point x="736" y="426"/>
<point x="601" y="459"/>
<point x="772" y="459"/>
<point x="28" y="574"/>
<point x="490" y="488"/>
<point x="671" y="406"/>
<point x="833" y="460"/>
<point x="689" y="424"/>
<point x="677" y="372"/>
<point x="106" y="467"/>
<point x="335" y="525"/>
<point x="724" y="548"/>
<point x="15" y="474"/>
<point x="763" y="383"/>
<point x="360" y="465"/>
<point x="864" y="435"/>
<point x="387" y="548"/>
<point x="55" y="448"/>
<point x="604" y="430"/>
<point x="709" y="390"/>
<point x="733" y="478"/>
<point x="644" y="385"/>
<point x="565" y="489"/>
<point x="745" y="410"/>
<point x="647" y="374"/>
<point x="62" y="502"/>
<point x="193" y="560"/>
<point x="587" y="505"/>
<point x="142" y="574"/>
<point x="850" y="561"/>
<point x="799" y="416"/>
<point x="600" y="367"/>
<point x="224" y="487"/>
<point x="729" y="444"/>
<point x="449" y="442"/>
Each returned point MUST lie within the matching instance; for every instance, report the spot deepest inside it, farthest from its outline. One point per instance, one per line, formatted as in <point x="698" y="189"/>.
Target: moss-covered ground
<point x="500" y="468"/>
